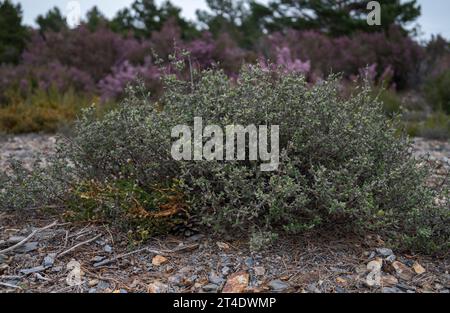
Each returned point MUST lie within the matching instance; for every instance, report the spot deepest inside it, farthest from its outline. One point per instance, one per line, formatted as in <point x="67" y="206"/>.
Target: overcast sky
<point x="434" y="20"/>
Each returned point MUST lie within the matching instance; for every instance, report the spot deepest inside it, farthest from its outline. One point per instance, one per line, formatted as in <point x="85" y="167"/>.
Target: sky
<point x="434" y="20"/>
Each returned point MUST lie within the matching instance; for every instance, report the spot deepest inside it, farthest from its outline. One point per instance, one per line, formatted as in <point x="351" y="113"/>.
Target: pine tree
<point x="342" y="17"/>
<point x="53" y="20"/>
<point x="13" y="34"/>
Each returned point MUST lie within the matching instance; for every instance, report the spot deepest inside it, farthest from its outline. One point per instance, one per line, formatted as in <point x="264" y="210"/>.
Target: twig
<point x="78" y="245"/>
<point x="10" y="286"/>
<point x="67" y="238"/>
<point x="160" y="252"/>
<point x="108" y="261"/>
<point x="181" y="249"/>
<point x="27" y="238"/>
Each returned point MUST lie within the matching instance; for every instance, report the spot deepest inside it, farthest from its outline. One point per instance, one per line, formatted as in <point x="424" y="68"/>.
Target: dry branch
<point x="27" y="238"/>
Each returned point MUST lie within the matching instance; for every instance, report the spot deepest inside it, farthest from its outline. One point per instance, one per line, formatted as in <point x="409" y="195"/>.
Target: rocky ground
<point x="43" y="253"/>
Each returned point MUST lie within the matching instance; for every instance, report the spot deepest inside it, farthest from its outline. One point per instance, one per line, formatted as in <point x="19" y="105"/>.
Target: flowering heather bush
<point x="104" y="62"/>
<point x="286" y="63"/>
<point x="25" y="80"/>
<point x="94" y="53"/>
<point x="284" y="58"/>
<point x="342" y="163"/>
<point x="202" y="50"/>
<point x="349" y="54"/>
<point x="113" y="85"/>
<point x="165" y="41"/>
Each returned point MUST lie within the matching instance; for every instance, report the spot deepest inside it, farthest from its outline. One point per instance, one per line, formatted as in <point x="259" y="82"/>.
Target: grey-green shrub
<point x="342" y="162"/>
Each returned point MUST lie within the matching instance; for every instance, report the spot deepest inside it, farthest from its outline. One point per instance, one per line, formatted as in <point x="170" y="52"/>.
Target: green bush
<point x="342" y="163"/>
<point x="41" y="111"/>
<point x="391" y="101"/>
<point x="436" y="126"/>
<point x="437" y="90"/>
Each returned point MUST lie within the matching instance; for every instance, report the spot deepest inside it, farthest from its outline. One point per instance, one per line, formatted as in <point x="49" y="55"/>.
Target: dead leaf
<point x="159" y="260"/>
<point x="236" y="283"/>
<point x="402" y="271"/>
<point x="223" y="245"/>
<point x="418" y="268"/>
<point x="93" y="282"/>
<point x="389" y="281"/>
<point x="341" y="281"/>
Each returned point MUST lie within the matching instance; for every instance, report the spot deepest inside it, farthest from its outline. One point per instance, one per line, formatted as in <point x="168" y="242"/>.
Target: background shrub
<point x="42" y="110"/>
<point x="348" y="54"/>
<point x="438" y="92"/>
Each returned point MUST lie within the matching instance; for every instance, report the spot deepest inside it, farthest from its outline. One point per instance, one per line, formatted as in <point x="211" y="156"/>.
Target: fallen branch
<point x="160" y="252"/>
<point x="78" y="245"/>
<point x="10" y="285"/>
<point x="27" y="238"/>
<point x="182" y="248"/>
<point x="121" y="256"/>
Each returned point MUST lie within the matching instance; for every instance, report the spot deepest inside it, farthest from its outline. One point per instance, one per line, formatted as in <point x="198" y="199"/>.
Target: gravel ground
<point x="80" y="257"/>
<point x="25" y="147"/>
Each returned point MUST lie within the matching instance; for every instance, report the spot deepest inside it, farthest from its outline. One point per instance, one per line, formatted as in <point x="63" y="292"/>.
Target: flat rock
<point x="103" y="285"/>
<point x="177" y="280"/>
<point x="391" y="290"/>
<point x="196" y="237"/>
<point x="259" y="270"/>
<point x="33" y="270"/>
<point x="49" y="260"/>
<point x="28" y="247"/>
<point x="389" y="280"/>
<point x="278" y="285"/>
<point x="215" y="279"/>
<point x="237" y="283"/>
<point x="158" y="287"/>
<point x="402" y="271"/>
<point x="210" y="288"/>
<point x="226" y="270"/>
<point x="107" y="249"/>
<point x="15" y="239"/>
<point x="97" y="259"/>
<point x="385" y="252"/>
<point x="313" y="288"/>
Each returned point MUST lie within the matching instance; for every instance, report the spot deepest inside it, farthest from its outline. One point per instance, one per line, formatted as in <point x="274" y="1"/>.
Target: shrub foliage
<point x="342" y="163"/>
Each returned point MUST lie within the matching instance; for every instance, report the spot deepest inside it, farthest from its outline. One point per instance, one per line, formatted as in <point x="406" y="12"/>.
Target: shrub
<point x="41" y="111"/>
<point x="348" y="54"/>
<point x="438" y="92"/>
<point x="113" y="85"/>
<point x="94" y="53"/>
<point x="436" y="126"/>
<point x="342" y="163"/>
<point x="392" y="103"/>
